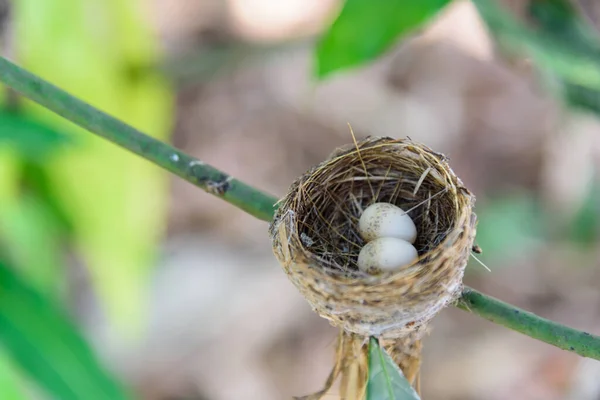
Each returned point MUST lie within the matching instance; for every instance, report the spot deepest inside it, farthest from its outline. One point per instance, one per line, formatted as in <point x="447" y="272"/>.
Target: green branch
<point x="501" y="313"/>
<point x="258" y="203"/>
<point x="189" y="168"/>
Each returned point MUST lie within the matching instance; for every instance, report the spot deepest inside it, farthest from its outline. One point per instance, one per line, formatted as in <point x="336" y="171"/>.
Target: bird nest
<point x="316" y="239"/>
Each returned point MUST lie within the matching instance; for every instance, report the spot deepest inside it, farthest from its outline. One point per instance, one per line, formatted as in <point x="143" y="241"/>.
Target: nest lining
<point x="330" y="200"/>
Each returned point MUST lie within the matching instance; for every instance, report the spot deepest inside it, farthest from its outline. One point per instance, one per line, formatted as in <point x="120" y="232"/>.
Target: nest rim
<point x="454" y="192"/>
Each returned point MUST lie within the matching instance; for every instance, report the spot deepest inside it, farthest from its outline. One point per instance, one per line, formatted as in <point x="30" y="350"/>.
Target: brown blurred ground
<point x="226" y="324"/>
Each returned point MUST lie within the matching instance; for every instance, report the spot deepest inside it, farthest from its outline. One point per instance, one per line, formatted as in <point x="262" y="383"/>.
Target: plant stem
<point x="499" y="312"/>
<point x="189" y="168"/>
<point x="260" y="204"/>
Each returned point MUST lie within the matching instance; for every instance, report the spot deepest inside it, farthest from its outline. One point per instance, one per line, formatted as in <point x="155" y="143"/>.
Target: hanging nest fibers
<point x="315" y="238"/>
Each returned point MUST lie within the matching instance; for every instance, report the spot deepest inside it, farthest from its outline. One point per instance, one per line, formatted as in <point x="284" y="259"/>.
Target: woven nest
<point x="315" y="236"/>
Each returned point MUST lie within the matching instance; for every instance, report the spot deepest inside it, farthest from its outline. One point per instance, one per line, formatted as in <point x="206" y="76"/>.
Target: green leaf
<point x="46" y="345"/>
<point x="116" y="202"/>
<point x="563" y="45"/>
<point x="12" y="386"/>
<point x="27" y="224"/>
<point x="560" y="21"/>
<point x="33" y="140"/>
<point x="10" y="170"/>
<point x="30" y="218"/>
<point x="365" y="29"/>
<point x="582" y="97"/>
<point x="584" y="229"/>
<point x="509" y="225"/>
<point x="386" y="381"/>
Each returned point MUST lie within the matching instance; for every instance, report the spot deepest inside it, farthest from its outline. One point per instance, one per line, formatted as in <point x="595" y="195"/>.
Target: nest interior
<point x="330" y="199"/>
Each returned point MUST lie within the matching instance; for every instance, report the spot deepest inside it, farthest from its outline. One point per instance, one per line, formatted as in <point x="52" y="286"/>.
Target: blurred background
<point x="179" y="293"/>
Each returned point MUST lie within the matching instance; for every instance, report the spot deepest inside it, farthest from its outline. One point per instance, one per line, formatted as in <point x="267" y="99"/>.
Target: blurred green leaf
<point x="560" y="20"/>
<point x="365" y="29"/>
<point x="11" y="384"/>
<point x="10" y="168"/>
<point x="386" y="381"/>
<point x="48" y="347"/>
<point x="33" y="140"/>
<point x="509" y="225"/>
<point x="582" y="97"/>
<point x="30" y="219"/>
<point x="115" y="202"/>
<point x="32" y="236"/>
<point x="585" y="226"/>
<point x="561" y="43"/>
<point x="35" y="182"/>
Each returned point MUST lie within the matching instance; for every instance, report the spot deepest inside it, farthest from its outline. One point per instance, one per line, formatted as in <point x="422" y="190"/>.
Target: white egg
<point x="386" y="254"/>
<point x="386" y="220"/>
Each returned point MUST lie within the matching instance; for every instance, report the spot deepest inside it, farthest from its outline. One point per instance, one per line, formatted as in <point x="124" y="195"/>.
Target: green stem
<point x="189" y="168"/>
<point x="258" y="203"/>
<point x="498" y="312"/>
